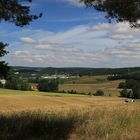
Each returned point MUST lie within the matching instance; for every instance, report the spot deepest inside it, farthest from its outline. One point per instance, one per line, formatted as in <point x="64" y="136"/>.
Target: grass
<point x="98" y="124"/>
<point x="114" y="124"/>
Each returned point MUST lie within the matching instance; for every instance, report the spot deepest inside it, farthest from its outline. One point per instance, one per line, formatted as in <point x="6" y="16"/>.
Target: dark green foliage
<point x="17" y="12"/>
<point x="99" y="93"/>
<point x="134" y="85"/>
<point x="78" y="71"/>
<point x="120" y="10"/>
<point x="90" y="93"/>
<point x="14" y="11"/>
<point x="122" y="85"/>
<point x="1" y="85"/>
<point x="72" y="91"/>
<point x="50" y="85"/>
<point x="136" y="91"/>
<point x="2" y="49"/>
<point x="14" y="82"/>
<point x="17" y="85"/>
<point x="125" y="75"/>
<point x="126" y="93"/>
<point x="3" y="66"/>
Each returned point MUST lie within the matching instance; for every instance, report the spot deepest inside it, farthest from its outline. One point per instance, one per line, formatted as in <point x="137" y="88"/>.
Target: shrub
<point x="72" y="91"/>
<point x="122" y="85"/>
<point x="99" y="93"/>
<point x="17" y="85"/>
<point x="136" y="92"/>
<point x="25" y="86"/>
<point x="90" y="93"/>
<point x="131" y="89"/>
<point x="125" y="93"/>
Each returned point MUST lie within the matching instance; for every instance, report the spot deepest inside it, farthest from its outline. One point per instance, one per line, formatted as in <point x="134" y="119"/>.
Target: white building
<point x="3" y="81"/>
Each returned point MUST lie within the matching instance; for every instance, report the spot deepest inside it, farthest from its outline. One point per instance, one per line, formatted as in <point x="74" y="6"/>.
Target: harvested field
<point x="42" y="101"/>
<point x="47" y="116"/>
<point x="110" y="87"/>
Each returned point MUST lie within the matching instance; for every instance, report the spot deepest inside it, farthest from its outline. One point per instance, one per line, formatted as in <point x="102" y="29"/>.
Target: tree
<point x="50" y="85"/>
<point x="14" y="11"/>
<point x="99" y="92"/>
<point x="3" y="66"/>
<point x="120" y="10"/>
<point x="14" y="82"/>
<point x="131" y="89"/>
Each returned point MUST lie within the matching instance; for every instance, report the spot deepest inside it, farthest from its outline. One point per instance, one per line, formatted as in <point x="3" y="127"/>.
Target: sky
<point x="70" y="35"/>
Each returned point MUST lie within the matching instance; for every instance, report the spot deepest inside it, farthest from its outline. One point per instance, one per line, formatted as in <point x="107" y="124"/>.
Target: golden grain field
<point x="56" y="116"/>
<point x="109" y="87"/>
<point x="42" y="101"/>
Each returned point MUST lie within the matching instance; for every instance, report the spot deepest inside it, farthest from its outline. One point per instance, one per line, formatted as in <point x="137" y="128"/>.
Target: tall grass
<point x="118" y="124"/>
<point x="98" y="124"/>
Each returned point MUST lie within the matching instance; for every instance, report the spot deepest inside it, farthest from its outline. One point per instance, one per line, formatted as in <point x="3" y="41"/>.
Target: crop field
<point x="55" y="116"/>
<point x="86" y="80"/>
<point x="109" y="87"/>
<point x="12" y="100"/>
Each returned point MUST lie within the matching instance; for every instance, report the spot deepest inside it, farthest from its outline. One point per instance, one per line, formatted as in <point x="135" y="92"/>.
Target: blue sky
<point x="70" y="35"/>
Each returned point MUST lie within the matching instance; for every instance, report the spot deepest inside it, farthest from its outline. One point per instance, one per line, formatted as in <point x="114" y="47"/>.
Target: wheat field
<point x="12" y="100"/>
<point x="110" y="88"/>
<point x="55" y="116"/>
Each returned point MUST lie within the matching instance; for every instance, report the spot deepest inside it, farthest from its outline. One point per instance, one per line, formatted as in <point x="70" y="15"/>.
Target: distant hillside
<point x="89" y="71"/>
<point x="77" y="71"/>
<point x="27" y="69"/>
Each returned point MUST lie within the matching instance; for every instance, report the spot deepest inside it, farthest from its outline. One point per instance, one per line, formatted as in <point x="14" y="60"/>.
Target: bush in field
<point x="48" y="85"/>
<point x="136" y="92"/>
<point x="131" y="89"/>
<point x="90" y="93"/>
<point x="122" y="85"/>
<point x="126" y="93"/>
<point x="72" y="91"/>
<point x="99" y="93"/>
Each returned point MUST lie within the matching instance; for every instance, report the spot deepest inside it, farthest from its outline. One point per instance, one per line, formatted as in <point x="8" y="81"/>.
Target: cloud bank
<point x="102" y="45"/>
